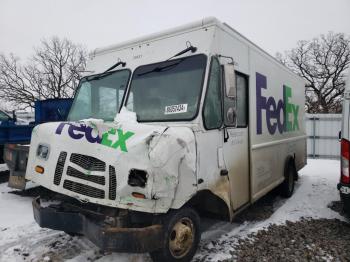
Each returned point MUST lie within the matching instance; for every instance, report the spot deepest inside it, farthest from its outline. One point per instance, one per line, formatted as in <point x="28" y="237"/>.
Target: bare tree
<point x="323" y="63"/>
<point x="52" y="72"/>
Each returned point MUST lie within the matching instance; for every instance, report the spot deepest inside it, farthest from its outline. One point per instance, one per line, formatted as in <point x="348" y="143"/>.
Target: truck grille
<point x="59" y="168"/>
<point x="88" y="162"/>
<point x="75" y="173"/>
<point x="83" y="189"/>
<point x="112" y="183"/>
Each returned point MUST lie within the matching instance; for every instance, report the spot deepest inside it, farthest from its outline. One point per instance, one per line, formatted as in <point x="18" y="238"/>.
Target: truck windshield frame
<point x="167" y="91"/>
<point x="94" y="96"/>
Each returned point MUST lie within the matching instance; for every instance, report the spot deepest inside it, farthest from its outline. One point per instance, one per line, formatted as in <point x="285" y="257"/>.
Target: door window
<point x="212" y="112"/>
<point x="241" y="100"/>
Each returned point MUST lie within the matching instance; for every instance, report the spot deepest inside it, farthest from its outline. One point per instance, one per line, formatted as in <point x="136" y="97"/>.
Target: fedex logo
<point x="281" y="115"/>
<point x="80" y="131"/>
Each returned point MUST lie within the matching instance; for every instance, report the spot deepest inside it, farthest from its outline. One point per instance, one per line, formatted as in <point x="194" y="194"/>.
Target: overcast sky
<point x="275" y="25"/>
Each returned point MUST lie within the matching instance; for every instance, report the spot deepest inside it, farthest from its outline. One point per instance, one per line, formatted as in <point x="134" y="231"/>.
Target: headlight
<point x="43" y="151"/>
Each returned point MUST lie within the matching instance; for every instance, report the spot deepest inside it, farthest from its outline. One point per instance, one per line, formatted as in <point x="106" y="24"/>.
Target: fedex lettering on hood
<point x="81" y="130"/>
<point x="281" y="115"/>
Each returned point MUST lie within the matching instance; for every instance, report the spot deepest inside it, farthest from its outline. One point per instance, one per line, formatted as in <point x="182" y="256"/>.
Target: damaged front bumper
<point x="106" y="237"/>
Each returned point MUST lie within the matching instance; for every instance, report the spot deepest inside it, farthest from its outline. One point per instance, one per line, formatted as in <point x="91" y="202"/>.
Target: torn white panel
<point x="172" y="154"/>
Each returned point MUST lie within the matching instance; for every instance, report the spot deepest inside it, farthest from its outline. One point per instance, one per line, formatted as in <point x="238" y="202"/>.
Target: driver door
<point x="236" y="144"/>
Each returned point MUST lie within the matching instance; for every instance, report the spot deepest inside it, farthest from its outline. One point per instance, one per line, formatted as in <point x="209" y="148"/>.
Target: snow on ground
<point x="21" y="239"/>
<point x="316" y="188"/>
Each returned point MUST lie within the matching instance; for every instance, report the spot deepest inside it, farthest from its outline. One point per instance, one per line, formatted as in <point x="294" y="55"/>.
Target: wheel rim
<point x="181" y="237"/>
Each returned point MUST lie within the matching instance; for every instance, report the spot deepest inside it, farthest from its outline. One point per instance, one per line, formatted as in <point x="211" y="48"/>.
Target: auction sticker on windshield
<point x="176" y="109"/>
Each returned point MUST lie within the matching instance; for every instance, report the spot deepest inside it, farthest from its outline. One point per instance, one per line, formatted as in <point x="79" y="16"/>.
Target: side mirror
<point x="231" y="116"/>
<point x="230" y="80"/>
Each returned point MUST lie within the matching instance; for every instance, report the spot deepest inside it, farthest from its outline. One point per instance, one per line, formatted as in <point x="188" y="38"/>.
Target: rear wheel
<point x="181" y="235"/>
<point x="286" y="189"/>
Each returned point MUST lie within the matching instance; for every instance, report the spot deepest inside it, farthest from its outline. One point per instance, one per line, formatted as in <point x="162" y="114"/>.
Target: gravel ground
<point x="305" y="240"/>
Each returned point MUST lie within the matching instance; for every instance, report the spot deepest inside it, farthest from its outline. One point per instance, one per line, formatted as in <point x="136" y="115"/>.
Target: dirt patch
<point x="66" y="247"/>
<point x="260" y="210"/>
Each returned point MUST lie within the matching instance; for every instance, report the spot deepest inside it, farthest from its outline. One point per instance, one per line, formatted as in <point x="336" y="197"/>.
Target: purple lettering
<point x="274" y="119"/>
<point x="260" y="101"/>
<point x="280" y="123"/>
<point x="90" y="138"/>
<point x="271" y="114"/>
<point x="74" y="135"/>
<point x="60" y="128"/>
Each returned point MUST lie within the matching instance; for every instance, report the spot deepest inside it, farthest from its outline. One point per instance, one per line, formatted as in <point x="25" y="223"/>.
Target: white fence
<point x="322" y="135"/>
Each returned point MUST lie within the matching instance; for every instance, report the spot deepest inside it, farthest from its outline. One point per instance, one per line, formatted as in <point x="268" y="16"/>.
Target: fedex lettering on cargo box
<point x="281" y="115"/>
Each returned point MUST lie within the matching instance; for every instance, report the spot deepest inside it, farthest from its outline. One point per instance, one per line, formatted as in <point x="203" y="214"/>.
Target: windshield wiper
<point x="97" y="77"/>
<point x="162" y="68"/>
<point x="190" y="48"/>
<point x="123" y="64"/>
<point x="105" y="73"/>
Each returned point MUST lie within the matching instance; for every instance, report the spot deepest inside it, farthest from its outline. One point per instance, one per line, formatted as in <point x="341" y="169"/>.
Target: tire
<point x="345" y="200"/>
<point x="179" y="247"/>
<point x="286" y="189"/>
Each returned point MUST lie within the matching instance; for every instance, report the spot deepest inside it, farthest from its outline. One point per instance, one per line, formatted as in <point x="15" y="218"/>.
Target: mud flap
<point x="17" y="182"/>
<point x="16" y="157"/>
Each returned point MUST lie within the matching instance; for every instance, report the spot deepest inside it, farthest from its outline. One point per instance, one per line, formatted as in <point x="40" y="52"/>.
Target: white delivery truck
<point x="344" y="184"/>
<point x="192" y="120"/>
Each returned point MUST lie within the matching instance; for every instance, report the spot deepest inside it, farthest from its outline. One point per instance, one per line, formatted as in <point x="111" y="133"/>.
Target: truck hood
<point x="97" y="150"/>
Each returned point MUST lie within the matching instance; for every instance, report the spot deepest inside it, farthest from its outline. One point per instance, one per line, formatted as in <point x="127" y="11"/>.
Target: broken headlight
<point x="137" y="178"/>
<point x="43" y="151"/>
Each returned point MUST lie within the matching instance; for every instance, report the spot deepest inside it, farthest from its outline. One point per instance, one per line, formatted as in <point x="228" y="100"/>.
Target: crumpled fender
<point x="172" y="155"/>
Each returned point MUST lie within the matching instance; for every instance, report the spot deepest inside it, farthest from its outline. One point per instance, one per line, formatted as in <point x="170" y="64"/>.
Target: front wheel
<point x="181" y="234"/>
<point x="287" y="187"/>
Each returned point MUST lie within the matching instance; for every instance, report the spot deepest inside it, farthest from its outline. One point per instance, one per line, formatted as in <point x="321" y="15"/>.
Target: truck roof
<point x="209" y="21"/>
<point x="205" y="22"/>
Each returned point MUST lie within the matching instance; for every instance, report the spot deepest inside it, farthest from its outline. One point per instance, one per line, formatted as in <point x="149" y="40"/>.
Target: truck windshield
<point x="99" y="96"/>
<point x="167" y="91"/>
